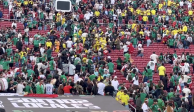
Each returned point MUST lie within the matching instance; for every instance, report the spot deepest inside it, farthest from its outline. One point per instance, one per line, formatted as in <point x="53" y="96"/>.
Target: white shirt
<point x="42" y="76"/>
<point x="19" y="35"/>
<point x="80" y="79"/>
<point x="151" y="64"/>
<point x="115" y="84"/>
<point x="189" y="39"/>
<point x="76" y="77"/>
<point x="186" y="91"/>
<point x="96" y="5"/>
<point x="189" y="4"/>
<point x="49" y="89"/>
<point x="112" y="2"/>
<point x="39" y="65"/>
<point x="181" y="3"/>
<point x="10" y="6"/>
<point x="135" y="82"/>
<point x="87" y="16"/>
<point x="69" y="44"/>
<point x="71" y="69"/>
<point x="100" y="6"/>
<point x="186" y="67"/>
<point x="42" y="50"/>
<point x="144" y="107"/>
<point x="125" y="48"/>
<point x="14" y="24"/>
<point x="139" y="47"/>
<point x="19" y="88"/>
<point x="154" y="57"/>
<point x="101" y="87"/>
<point x="186" y="78"/>
<point x="118" y="11"/>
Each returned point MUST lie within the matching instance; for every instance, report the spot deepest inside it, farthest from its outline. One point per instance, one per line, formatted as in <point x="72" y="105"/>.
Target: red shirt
<point x="81" y="17"/>
<point x="66" y="89"/>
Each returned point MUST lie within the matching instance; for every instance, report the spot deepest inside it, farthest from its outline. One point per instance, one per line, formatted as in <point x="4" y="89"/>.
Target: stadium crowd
<point x="82" y="40"/>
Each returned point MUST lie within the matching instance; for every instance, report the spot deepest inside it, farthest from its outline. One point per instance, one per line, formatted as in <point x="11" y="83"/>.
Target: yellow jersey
<point x="125" y="99"/>
<point x="119" y="95"/>
<point x="145" y="18"/>
<point x="162" y="70"/>
<point x="49" y="44"/>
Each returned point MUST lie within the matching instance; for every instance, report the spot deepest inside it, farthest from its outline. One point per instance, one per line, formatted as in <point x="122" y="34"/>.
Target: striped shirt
<point x="3" y="84"/>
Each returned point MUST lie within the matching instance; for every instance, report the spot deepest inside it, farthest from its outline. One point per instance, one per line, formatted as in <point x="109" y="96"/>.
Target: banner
<point x="10" y="94"/>
<point x="60" y="104"/>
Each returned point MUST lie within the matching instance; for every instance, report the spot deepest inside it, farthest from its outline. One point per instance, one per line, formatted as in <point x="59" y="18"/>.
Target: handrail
<point x="132" y="107"/>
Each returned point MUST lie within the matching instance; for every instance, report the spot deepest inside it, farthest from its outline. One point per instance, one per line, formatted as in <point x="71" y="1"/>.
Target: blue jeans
<point x="135" y="46"/>
<point x="161" y="77"/>
<point x="140" y="55"/>
<point x="17" y="64"/>
<point x="186" y="47"/>
<point x="145" y="79"/>
<point x="148" y="42"/>
<point x="182" y="86"/>
<point x="39" y="28"/>
<point x="59" y="28"/>
<point x="45" y="27"/>
<point x="26" y="43"/>
<point x="127" y="107"/>
<point x="114" y="93"/>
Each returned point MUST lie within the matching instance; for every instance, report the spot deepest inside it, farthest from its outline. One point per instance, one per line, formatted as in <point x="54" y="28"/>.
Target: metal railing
<point x="132" y="107"/>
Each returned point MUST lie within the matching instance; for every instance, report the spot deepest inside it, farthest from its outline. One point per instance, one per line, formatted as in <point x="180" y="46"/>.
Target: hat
<point x="115" y="77"/>
<point x="108" y="57"/>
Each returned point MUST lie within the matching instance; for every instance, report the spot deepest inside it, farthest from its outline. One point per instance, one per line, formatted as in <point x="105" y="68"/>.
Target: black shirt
<point x="78" y="67"/>
<point x="109" y="90"/>
<point x="11" y="90"/>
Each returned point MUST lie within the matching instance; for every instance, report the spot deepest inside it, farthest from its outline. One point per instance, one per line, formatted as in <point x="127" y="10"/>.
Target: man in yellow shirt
<point x="145" y="19"/>
<point x="125" y="99"/>
<point x="97" y="13"/>
<point x="49" y="43"/>
<point x="153" y="12"/>
<point x="119" y="93"/>
<point x="185" y="28"/>
<point x="190" y="12"/>
<point x="162" y="71"/>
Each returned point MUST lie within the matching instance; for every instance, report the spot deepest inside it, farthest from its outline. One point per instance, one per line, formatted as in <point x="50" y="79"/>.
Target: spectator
<point x="109" y="89"/>
<point x="162" y="71"/>
<point x="20" y="87"/>
<point x="67" y="89"/>
<point x="101" y="87"/>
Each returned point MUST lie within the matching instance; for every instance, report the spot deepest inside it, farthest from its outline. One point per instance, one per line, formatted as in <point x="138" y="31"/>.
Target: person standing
<point x="72" y="69"/>
<point x="154" y="57"/>
<point x="40" y="87"/>
<point x="125" y="99"/>
<point x="49" y="88"/>
<point x="20" y="87"/>
<point x="111" y="67"/>
<point x="109" y="89"/>
<point x="28" y="88"/>
<point x="115" y="84"/>
<point x="3" y="84"/>
<point x="162" y="71"/>
<point x="101" y="87"/>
